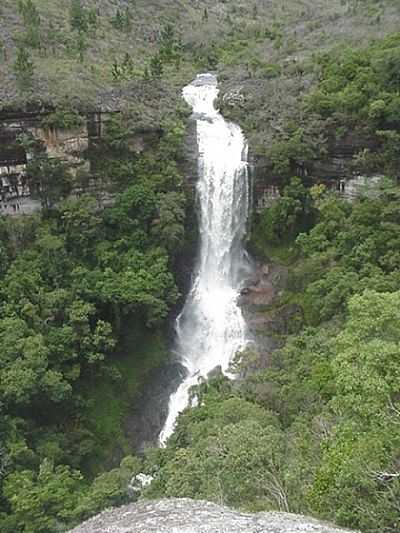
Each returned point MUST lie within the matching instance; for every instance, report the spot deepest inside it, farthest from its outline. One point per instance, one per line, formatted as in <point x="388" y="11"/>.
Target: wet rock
<point x="188" y="164"/>
<point x="233" y="99"/>
<point x="262" y="295"/>
<point x="189" y="516"/>
<point x="138" y="483"/>
<point x="151" y="409"/>
<point x="215" y="373"/>
<point x="262" y="288"/>
<point x="266" y="320"/>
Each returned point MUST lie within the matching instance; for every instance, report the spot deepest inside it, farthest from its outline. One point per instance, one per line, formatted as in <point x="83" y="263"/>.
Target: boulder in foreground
<point x="191" y="516"/>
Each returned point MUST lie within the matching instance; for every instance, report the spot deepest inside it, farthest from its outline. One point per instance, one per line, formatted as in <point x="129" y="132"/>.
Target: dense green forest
<point x="318" y="432"/>
<point x="86" y="293"/>
<point x="85" y="297"/>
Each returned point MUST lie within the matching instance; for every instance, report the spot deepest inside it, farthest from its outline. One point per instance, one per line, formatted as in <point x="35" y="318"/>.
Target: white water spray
<point x="211" y="328"/>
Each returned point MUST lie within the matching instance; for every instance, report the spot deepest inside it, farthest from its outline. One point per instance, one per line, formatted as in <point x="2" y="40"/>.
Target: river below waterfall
<point x="211" y="328"/>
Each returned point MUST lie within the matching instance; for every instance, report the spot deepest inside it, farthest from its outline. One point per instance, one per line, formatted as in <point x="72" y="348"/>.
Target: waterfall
<point x="211" y="328"/>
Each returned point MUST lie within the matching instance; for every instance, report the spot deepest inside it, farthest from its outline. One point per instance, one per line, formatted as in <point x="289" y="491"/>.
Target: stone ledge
<point x="195" y="516"/>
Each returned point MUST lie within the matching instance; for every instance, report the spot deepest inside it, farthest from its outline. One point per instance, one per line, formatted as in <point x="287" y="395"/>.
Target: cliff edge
<point x="190" y="516"/>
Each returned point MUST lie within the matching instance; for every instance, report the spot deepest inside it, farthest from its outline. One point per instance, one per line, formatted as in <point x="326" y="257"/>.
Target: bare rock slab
<point x="191" y="516"/>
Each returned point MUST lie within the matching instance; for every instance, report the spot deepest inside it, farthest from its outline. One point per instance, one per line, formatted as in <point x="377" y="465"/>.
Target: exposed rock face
<point x="71" y="146"/>
<point x="150" y="410"/>
<point x="261" y="290"/>
<point x="336" y="171"/>
<point x="267" y="318"/>
<point x="66" y="145"/>
<point x="189" y="516"/>
<point x="260" y="293"/>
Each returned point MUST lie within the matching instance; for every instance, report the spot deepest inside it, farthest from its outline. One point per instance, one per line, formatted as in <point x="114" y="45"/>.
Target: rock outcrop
<point x="150" y="409"/>
<point x="189" y="516"/>
<point x="267" y="318"/>
<point x="75" y="146"/>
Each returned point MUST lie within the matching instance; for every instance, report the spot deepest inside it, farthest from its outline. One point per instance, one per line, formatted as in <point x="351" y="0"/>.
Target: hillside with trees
<point x="88" y="290"/>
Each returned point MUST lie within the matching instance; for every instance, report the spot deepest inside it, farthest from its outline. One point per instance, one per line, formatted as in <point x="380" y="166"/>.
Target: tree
<point x="292" y="213"/>
<point x="32" y="21"/>
<point x="82" y="46"/>
<point x="43" y="501"/>
<point x="227" y="450"/>
<point x="81" y="224"/>
<point x="91" y="15"/>
<point x="143" y="285"/>
<point x="69" y="275"/>
<point x="117" y="20"/>
<point x="3" y="51"/>
<point x="124" y="70"/>
<point x="78" y="19"/>
<point x="110" y="489"/>
<point x="368" y="374"/>
<point x="169" y="228"/>
<point x="359" y="466"/>
<point x="122" y="21"/>
<point x="29" y="12"/>
<point x="24" y="366"/>
<point x="49" y="179"/>
<point x="295" y="150"/>
<point x="156" y="67"/>
<point x="24" y="68"/>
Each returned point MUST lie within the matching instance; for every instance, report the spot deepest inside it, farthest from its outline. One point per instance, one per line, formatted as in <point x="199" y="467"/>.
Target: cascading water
<point x="211" y="328"/>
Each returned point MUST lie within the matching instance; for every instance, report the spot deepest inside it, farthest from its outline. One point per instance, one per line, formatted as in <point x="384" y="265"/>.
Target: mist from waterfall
<point x="211" y="328"/>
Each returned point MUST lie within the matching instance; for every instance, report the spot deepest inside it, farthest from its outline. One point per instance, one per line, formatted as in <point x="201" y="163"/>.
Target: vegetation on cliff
<point x="356" y="98"/>
<point x="86" y="292"/>
<point x="76" y="282"/>
<point x="317" y="432"/>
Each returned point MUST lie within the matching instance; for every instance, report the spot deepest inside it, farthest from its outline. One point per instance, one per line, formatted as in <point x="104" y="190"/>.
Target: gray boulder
<point x="190" y="516"/>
